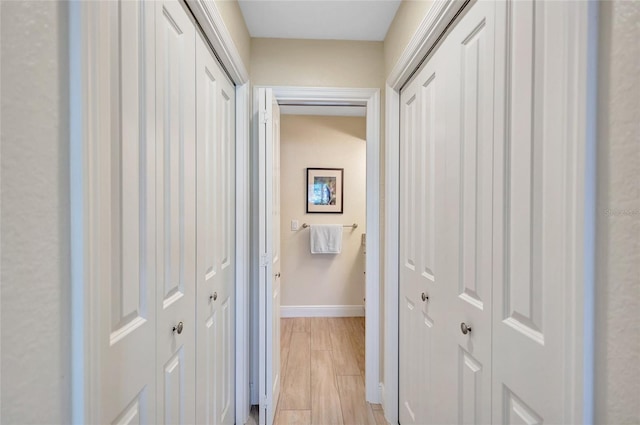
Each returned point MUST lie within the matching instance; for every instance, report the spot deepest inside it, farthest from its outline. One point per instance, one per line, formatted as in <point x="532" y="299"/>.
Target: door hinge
<point x="265" y="259"/>
<point x="265" y="117"/>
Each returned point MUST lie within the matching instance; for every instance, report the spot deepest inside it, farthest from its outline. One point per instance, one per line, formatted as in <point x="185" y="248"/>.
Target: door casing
<point x="369" y="98"/>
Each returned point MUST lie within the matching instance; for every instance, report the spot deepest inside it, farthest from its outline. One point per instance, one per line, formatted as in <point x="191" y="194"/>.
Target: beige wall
<point x="409" y="16"/>
<point x="618" y="216"/>
<point x="323" y="142"/>
<point x="320" y="63"/>
<point x="234" y="21"/>
<point x="35" y="300"/>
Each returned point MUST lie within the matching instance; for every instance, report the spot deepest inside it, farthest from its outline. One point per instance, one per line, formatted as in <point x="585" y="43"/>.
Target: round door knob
<point x="278" y="275"/>
<point x="464" y="328"/>
<point x="425" y="297"/>
<point x="214" y="296"/>
<point x="178" y="328"/>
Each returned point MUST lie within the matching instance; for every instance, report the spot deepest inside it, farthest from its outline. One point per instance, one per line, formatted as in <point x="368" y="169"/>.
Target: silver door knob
<point x="464" y="328"/>
<point x="213" y="297"/>
<point x="178" y="328"/>
<point x="425" y="297"/>
<point x="277" y="275"/>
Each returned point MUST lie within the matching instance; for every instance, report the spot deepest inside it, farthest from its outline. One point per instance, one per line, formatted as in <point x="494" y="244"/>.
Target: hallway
<point x="323" y="373"/>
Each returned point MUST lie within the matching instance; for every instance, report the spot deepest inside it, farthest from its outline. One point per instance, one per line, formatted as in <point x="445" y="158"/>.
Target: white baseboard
<point x="322" y="311"/>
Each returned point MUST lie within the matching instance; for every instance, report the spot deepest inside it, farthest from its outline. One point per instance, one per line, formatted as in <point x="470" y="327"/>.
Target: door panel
<point x="269" y="246"/>
<point x="126" y="187"/>
<point x="419" y="195"/>
<point x="446" y="234"/>
<point x="175" y="212"/>
<point x="469" y="54"/>
<point x="532" y="255"/>
<point x="275" y="263"/>
<point x="215" y="363"/>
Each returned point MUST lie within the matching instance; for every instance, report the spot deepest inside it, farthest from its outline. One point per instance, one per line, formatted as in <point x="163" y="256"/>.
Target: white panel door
<point x="269" y="245"/>
<point x="215" y="332"/>
<point x="462" y="362"/>
<point x="126" y="187"/>
<point x="421" y="191"/>
<point x="175" y="213"/>
<point x="446" y="235"/>
<point x="532" y="225"/>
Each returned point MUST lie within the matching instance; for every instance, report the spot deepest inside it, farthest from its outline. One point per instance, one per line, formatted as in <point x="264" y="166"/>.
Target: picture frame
<point x="325" y="190"/>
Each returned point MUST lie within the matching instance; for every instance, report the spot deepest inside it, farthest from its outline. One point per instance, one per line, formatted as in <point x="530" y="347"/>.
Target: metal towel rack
<point x="353" y="226"/>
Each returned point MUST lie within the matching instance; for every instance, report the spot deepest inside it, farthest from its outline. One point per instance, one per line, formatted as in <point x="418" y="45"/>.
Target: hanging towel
<point x="326" y="238"/>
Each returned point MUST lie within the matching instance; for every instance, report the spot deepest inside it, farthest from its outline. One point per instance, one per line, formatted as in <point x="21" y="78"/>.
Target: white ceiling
<point x="319" y="19"/>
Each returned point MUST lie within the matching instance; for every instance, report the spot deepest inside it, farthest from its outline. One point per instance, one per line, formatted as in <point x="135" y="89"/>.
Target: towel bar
<point x="353" y="226"/>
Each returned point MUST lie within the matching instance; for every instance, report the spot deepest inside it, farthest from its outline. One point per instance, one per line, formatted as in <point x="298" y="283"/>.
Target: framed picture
<point x="324" y="190"/>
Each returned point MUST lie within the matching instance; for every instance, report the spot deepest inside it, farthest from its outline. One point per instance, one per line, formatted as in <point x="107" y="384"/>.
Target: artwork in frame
<point x="324" y="190"/>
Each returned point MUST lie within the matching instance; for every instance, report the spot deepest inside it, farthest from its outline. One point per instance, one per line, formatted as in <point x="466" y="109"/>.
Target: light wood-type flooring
<point x="322" y="363"/>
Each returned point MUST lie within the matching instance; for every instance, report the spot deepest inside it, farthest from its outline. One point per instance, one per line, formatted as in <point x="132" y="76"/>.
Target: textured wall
<point x="618" y="219"/>
<point x="34" y="172"/>
<point x="322" y="142"/>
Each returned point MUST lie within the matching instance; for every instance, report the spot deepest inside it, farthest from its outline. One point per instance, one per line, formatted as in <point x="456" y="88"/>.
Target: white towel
<point x="326" y="238"/>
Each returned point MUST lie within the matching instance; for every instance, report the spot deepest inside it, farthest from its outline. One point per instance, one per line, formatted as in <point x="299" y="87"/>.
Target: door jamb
<point x="369" y="98"/>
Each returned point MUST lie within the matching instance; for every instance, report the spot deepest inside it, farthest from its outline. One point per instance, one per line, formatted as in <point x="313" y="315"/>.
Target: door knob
<point x="278" y="275"/>
<point x="178" y="328"/>
<point x="425" y="297"/>
<point x="464" y="328"/>
<point x="213" y="297"/>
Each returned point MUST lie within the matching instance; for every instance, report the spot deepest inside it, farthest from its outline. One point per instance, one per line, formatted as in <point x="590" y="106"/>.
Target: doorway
<point x="266" y="324"/>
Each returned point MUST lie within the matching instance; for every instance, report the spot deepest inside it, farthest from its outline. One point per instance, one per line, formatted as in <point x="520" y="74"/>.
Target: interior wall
<point x="234" y="21"/>
<point x="407" y="20"/>
<point x="34" y="171"/>
<point x="617" y="385"/>
<point x="322" y="142"/>
<point x="317" y="63"/>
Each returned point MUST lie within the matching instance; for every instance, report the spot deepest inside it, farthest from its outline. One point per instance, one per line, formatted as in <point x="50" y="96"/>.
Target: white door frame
<point x="369" y="98"/>
<point x="582" y="135"/>
<point x="83" y="49"/>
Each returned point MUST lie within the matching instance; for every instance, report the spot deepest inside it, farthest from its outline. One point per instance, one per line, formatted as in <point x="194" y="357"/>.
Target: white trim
<point x="371" y="99"/>
<point x="392" y="254"/>
<point x="243" y="401"/>
<point x="208" y="16"/>
<point x="322" y="311"/>
<point x="381" y="389"/>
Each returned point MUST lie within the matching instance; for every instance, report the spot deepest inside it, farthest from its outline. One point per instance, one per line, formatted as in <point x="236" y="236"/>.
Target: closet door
<point x="125" y="188"/>
<point x="533" y="363"/>
<point x="175" y="213"/>
<point x="421" y="192"/>
<point x="446" y="235"/>
<point x="215" y="391"/>
<point x="462" y="362"/>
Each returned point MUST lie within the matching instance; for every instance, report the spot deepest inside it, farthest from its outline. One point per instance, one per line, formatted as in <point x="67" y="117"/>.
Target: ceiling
<point x="319" y="19"/>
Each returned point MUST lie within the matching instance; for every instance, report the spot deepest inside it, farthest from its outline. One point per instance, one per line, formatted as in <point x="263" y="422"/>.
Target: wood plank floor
<point x="323" y="373"/>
